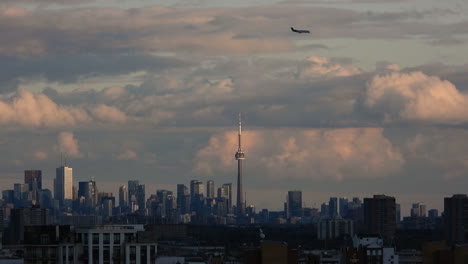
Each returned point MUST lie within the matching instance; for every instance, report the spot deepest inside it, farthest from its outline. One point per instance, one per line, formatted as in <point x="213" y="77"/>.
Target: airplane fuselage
<point x="300" y="31"/>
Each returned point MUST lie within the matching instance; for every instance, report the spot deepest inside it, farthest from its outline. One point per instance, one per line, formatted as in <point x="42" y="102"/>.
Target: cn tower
<point x="240" y="156"/>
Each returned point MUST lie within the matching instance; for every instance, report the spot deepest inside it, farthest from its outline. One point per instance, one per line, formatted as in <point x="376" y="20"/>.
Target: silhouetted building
<point x="331" y="228"/>
<point x="433" y="213"/>
<point x="369" y="250"/>
<point x="343" y="207"/>
<point x="123" y="198"/>
<point x="183" y="199"/>
<point x="294" y="204"/>
<point x="333" y="207"/>
<point x="21" y="217"/>
<point x="33" y="178"/>
<point x="132" y="192"/>
<point x="141" y="197"/>
<point x="379" y="216"/>
<point x="225" y="191"/>
<point x="108" y="204"/>
<point x="456" y="218"/>
<point x="88" y="190"/>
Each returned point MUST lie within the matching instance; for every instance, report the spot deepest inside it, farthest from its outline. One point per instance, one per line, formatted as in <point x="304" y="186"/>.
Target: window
<point x="116" y="238"/>
<point x="44" y="239"/>
<point x="106" y="238"/>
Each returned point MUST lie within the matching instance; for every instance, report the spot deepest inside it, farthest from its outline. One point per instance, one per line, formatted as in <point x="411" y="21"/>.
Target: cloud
<point x="304" y="154"/>
<point x="321" y="66"/>
<point x="111" y="114"/>
<point x="37" y="110"/>
<point x="127" y="155"/>
<point x="441" y="151"/>
<point x="68" y="145"/>
<point x="28" y="109"/>
<point x="416" y="97"/>
<point x="12" y="11"/>
<point x="40" y="155"/>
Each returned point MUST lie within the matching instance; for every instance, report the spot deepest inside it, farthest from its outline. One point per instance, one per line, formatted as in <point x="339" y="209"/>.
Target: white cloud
<point x="321" y="66"/>
<point x="304" y="153"/>
<point x="37" y="110"/>
<point x="416" y="97"/>
<point x="68" y="145"/>
<point x="107" y="114"/>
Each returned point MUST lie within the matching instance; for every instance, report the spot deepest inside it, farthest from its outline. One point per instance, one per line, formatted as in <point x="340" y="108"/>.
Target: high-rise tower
<point x="63" y="184"/>
<point x="240" y="156"/>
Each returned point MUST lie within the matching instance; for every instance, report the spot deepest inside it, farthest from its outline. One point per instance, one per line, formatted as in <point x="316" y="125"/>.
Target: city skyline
<point x="334" y="204"/>
<point x="373" y="100"/>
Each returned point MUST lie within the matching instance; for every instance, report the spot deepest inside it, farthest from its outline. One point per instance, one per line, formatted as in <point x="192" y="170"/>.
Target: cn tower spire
<point x="240" y="156"/>
<point x="240" y="132"/>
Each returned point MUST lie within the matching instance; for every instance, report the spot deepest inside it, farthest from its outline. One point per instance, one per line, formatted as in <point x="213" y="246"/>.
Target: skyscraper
<point x="210" y="189"/>
<point x="380" y="216"/>
<point x="456" y="218"/>
<point x="183" y="199"/>
<point x="33" y="178"/>
<point x="294" y="204"/>
<point x="63" y="184"/>
<point x="89" y="191"/>
<point x="141" y="197"/>
<point x="333" y="207"/>
<point x="196" y="195"/>
<point x="132" y="188"/>
<point x="240" y="156"/>
<point x="228" y="190"/>
<point x="123" y="198"/>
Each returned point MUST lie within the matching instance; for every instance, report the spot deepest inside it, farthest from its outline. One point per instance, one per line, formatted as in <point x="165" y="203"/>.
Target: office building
<point x="333" y="207"/>
<point x="196" y="195"/>
<point x="141" y="197"/>
<point x="294" y="204"/>
<point x="132" y="189"/>
<point x="33" y="178"/>
<point x="397" y="213"/>
<point x="433" y="213"/>
<point x="108" y="204"/>
<point x="226" y="192"/>
<point x="418" y="210"/>
<point x="115" y="244"/>
<point x="183" y="199"/>
<point x="21" y="217"/>
<point x="380" y="216"/>
<point x="343" y="207"/>
<point x="210" y="191"/>
<point x="63" y="184"/>
<point x="456" y="218"/>
<point x="89" y="191"/>
<point x="369" y="249"/>
<point x="331" y="228"/>
<point x="123" y="198"/>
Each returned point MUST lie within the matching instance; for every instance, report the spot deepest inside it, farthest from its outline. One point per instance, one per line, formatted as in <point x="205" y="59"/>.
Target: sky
<point x="374" y="100"/>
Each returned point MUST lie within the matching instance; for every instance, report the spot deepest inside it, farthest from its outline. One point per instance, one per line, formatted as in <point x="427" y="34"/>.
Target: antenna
<point x="240" y="123"/>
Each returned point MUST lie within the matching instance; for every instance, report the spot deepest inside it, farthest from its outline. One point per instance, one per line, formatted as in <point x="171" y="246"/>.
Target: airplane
<point x="299" y="30"/>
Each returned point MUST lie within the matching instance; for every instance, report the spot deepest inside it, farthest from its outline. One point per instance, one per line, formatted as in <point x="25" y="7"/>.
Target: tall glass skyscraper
<point x="63" y="184"/>
<point x="294" y="203"/>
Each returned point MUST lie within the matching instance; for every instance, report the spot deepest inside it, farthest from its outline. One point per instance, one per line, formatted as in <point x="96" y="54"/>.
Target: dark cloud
<point x="68" y="69"/>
